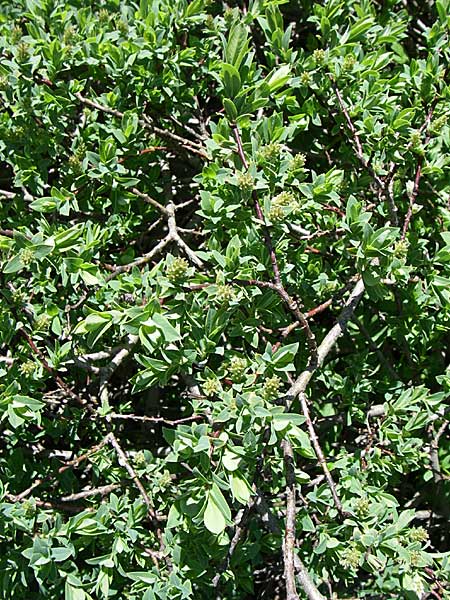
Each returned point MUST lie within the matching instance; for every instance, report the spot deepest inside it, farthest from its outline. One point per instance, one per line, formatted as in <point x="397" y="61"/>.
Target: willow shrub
<point x="224" y="299"/>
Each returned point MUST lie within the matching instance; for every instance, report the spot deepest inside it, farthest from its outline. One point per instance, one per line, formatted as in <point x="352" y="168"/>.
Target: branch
<point x="111" y="438"/>
<point x="292" y="306"/>
<point x="320" y="455"/>
<point x="68" y="465"/>
<point x="142" y="260"/>
<point x="258" y="210"/>
<point x="412" y="197"/>
<point x="434" y="453"/>
<point x="107" y="371"/>
<point x="240" y="521"/>
<point x="290" y="527"/>
<point x="327" y="343"/>
<point x="102" y="490"/>
<point x="162" y="420"/>
<point x="271" y="522"/>
<point x="382" y="358"/>
<point x="175" y="236"/>
<point x="60" y="383"/>
<point x="297" y="389"/>
<point x="356" y="141"/>
<point x="184" y="143"/>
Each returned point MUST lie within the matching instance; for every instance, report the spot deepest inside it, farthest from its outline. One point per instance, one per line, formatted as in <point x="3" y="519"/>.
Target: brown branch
<point x="149" y="150"/>
<point x="60" y="383"/>
<point x="259" y="212"/>
<point x="327" y="343"/>
<point x="320" y="455"/>
<point x="45" y="504"/>
<point x="299" y="386"/>
<point x="184" y="143"/>
<point x="111" y="438"/>
<point x="7" y="233"/>
<point x="68" y="465"/>
<point x="356" y="140"/>
<point x="271" y="522"/>
<point x="162" y="209"/>
<point x="142" y="260"/>
<point x="292" y="306"/>
<point x="382" y="358"/>
<point x="240" y="521"/>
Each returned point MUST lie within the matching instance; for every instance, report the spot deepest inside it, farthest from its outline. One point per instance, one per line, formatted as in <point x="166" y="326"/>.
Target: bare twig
<point x="111" y="438"/>
<point x="142" y="260"/>
<point x="290" y="527"/>
<point x="382" y="358"/>
<point x="145" y="122"/>
<point x="175" y="236"/>
<point x="68" y="465"/>
<point x="162" y="209"/>
<point x="47" y="505"/>
<point x="60" y="383"/>
<point x="434" y="452"/>
<point x="319" y="453"/>
<point x="107" y="372"/>
<point x="356" y="140"/>
<point x="271" y="522"/>
<point x="7" y="194"/>
<point x="102" y="490"/>
<point x="259" y="212"/>
<point x="327" y="343"/>
<point x="299" y="386"/>
<point x="162" y="420"/>
<point x="240" y="522"/>
<point x="412" y="197"/>
<point x="292" y="306"/>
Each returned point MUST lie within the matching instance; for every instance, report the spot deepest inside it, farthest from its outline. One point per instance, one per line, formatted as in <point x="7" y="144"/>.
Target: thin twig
<point x="382" y="358"/>
<point x="107" y="372"/>
<point x="70" y="464"/>
<point x="240" y="522"/>
<point x="434" y="453"/>
<point x="271" y="522"/>
<point x="102" y="490"/>
<point x="111" y="438"/>
<point x="320" y="455"/>
<point x="259" y="212"/>
<point x="162" y="420"/>
<point x="291" y="305"/>
<point x="299" y="386"/>
<point x="142" y="260"/>
<point x="60" y="383"/>
<point x="356" y="140"/>
<point x="47" y="505"/>
<point x="412" y="197"/>
<point x="162" y="209"/>
<point x="145" y="122"/>
<point x="327" y="343"/>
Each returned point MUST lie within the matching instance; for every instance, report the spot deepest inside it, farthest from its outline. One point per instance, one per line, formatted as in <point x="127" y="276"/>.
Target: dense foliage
<point x="225" y="299"/>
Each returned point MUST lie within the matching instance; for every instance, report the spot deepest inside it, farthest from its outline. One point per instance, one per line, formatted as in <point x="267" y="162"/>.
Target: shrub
<point x="225" y="299"/>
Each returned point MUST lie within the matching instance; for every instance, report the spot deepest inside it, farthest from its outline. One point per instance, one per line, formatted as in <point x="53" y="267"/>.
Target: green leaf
<point x="213" y="517"/>
<point x="230" y="109"/>
<point x="239" y="487"/>
<point x="168" y="331"/>
<point x="231" y="80"/>
<point x="237" y="45"/>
